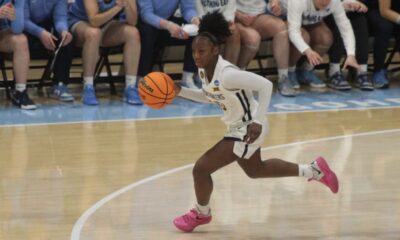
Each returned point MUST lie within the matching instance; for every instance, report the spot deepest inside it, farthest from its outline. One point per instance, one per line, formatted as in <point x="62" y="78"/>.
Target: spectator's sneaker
<point x="308" y="77"/>
<point x="89" y="96"/>
<point x="61" y="93"/>
<point x="131" y="95"/>
<point x="380" y="79"/>
<point x="324" y="174"/>
<point x="364" y="83"/>
<point x="22" y="100"/>
<point x="191" y="220"/>
<point x="285" y="88"/>
<point x="337" y="81"/>
<point x="189" y="83"/>
<point x="293" y="80"/>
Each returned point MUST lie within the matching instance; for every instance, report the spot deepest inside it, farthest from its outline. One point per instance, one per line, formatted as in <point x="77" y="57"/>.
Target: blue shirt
<point x="38" y="11"/>
<point x="77" y="11"/>
<point x="17" y="26"/>
<point x="153" y="11"/>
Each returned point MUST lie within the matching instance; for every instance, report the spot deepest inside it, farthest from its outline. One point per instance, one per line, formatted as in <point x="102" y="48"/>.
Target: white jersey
<point x="251" y="7"/>
<point x="226" y="7"/>
<point x="303" y="12"/>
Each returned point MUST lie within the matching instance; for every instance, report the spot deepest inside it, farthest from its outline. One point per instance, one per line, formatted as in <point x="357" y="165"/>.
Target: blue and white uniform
<point x="77" y="11"/>
<point x="232" y="90"/>
<point x="226" y="7"/>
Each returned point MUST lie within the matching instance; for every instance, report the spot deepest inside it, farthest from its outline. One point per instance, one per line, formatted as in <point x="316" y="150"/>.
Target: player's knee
<point x="199" y="170"/>
<point x="20" y="42"/>
<point x="252" y="173"/>
<point x="132" y="33"/>
<point x="93" y="35"/>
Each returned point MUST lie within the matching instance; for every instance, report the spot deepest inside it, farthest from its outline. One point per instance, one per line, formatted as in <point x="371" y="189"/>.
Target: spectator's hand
<point x="7" y="11"/>
<point x="313" y="57"/>
<point x="275" y="7"/>
<point x="47" y="40"/>
<point x="355" y="7"/>
<point x="351" y="61"/>
<point x="245" y="19"/>
<point x="121" y="3"/>
<point x="253" y="132"/>
<point x="176" y="31"/>
<point x="67" y="36"/>
<point x="196" y="21"/>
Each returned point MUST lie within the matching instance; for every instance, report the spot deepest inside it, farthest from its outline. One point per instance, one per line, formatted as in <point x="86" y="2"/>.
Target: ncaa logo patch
<point x="216" y="83"/>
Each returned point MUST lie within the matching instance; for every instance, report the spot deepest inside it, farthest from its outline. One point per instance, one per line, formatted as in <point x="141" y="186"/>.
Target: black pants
<point x="382" y="30"/>
<point x="64" y="58"/>
<point x="359" y="23"/>
<point x="153" y="39"/>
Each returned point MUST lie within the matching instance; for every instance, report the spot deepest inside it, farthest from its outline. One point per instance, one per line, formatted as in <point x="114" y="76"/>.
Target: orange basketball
<point x="157" y="90"/>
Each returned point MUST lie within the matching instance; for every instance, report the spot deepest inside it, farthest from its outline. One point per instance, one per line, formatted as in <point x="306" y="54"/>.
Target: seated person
<point x="158" y="26"/>
<point x="40" y="15"/>
<point x="96" y="24"/>
<point x="13" y="41"/>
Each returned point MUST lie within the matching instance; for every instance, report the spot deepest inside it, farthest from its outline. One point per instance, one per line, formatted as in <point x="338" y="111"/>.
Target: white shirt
<point x="226" y="7"/>
<point x="303" y="12"/>
<point x="251" y="7"/>
<point x="232" y="90"/>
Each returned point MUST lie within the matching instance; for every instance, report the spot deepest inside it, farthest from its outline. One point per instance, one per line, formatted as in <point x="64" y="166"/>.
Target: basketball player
<point x="232" y="89"/>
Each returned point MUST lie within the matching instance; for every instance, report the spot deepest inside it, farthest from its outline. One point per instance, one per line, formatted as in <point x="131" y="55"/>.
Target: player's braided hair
<point x="215" y="27"/>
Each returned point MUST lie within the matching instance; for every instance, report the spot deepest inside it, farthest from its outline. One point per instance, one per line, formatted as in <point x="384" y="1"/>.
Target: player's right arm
<point x="192" y="94"/>
<point x="95" y="18"/>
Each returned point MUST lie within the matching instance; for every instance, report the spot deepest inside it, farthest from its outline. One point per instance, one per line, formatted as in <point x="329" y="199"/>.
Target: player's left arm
<point x="131" y="12"/>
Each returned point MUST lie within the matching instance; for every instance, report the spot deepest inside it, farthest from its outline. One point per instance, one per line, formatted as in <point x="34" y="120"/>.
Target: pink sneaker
<point x="324" y="174"/>
<point x="190" y="220"/>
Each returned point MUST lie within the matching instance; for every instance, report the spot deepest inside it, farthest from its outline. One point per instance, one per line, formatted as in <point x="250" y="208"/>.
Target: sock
<point x="362" y="70"/>
<point x="333" y="68"/>
<point x="305" y="171"/>
<point x="130" y="80"/>
<point x="307" y="66"/>
<point x="88" y="80"/>
<point x="205" y="210"/>
<point x="187" y="77"/>
<point x="20" y="87"/>
<point x="282" y="72"/>
<point x="292" y="69"/>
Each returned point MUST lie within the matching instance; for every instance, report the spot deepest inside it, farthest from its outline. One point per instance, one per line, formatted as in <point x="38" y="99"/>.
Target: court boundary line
<point x="187" y="117"/>
<point x="76" y="230"/>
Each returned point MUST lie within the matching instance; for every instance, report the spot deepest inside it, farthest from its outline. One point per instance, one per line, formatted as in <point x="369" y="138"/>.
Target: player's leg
<point x="250" y="43"/>
<point x="217" y="157"/>
<point x="318" y="170"/>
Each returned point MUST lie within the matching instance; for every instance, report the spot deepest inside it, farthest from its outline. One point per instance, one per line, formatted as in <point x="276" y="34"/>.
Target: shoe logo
<point x="316" y="169"/>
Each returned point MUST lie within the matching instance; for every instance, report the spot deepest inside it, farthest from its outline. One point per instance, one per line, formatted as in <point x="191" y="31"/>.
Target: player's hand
<point x="351" y="61"/>
<point x="7" y="11"/>
<point x="176" y="31"/>
<point x="67" y="36"/>
<point x="313" y="57"/>
<point x="48" y="40"/>
<point x="275" y="7"/>
<point x="195" y="20"/>
<point x="253" y="132"/>
<point x="121" y="3"/>
<point x="245" y="19"/>
<point x="232" y="28"/>
<point x="355" y="7"/>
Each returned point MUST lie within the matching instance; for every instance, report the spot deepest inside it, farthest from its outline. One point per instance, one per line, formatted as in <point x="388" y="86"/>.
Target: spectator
<point x="13" y="41"/>
<point x="382" y="30"/>
<point x="355" y="11"/>
<point x="309" y="14"/>
<point x="158" y="26"/>
<point x="98" y="23"/>
<point x="232" y="49"/>
<point x="40" y="16"/>
<point x="266" y="20"/>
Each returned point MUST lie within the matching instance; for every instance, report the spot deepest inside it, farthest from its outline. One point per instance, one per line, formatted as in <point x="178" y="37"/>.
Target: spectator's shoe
<point x="308" y="77"/>
<point x="337" y="81"/>
<point x="380" y="79"/>
<point x="131" y="95"/>
<point x="61" y="93"/>
<point x="324" y="174"/>
<point x="285" y="87"/>
<point x="189" y="83"/>
<point x="293" y="80"/>
<point x="364" y="83"/>
<point x="191" y="220"/>
<point x="22" y="100"/>
<point x="89" y="96"/>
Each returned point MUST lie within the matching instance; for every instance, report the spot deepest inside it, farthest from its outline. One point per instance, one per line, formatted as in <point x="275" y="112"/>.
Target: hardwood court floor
<point x="51" y="174"/>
